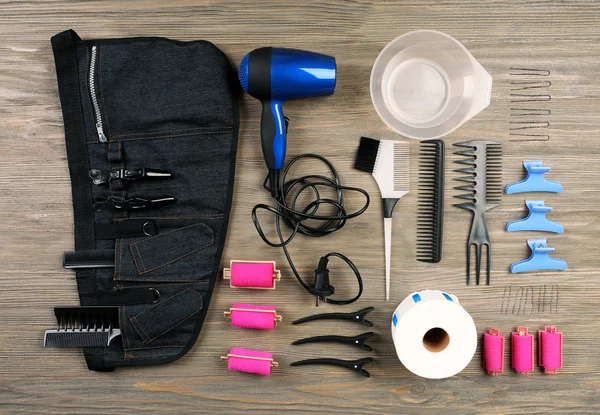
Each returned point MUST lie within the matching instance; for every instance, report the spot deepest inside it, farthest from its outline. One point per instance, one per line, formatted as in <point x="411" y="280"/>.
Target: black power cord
<point x="285" y="209"/>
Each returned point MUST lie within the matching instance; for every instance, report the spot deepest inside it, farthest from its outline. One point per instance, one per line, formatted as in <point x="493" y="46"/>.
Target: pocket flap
<point x="150" y="254"/>
<point x="167" y="314"/>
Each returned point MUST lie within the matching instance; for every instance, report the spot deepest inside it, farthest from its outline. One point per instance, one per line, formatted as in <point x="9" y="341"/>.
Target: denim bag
<point x="131" y="105"/>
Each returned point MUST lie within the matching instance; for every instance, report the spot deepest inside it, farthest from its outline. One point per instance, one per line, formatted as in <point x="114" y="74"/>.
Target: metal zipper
<point x="92" y="81"/>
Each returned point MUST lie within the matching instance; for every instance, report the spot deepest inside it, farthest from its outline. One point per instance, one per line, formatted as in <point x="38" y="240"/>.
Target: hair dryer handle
<point x="272" y="133"/>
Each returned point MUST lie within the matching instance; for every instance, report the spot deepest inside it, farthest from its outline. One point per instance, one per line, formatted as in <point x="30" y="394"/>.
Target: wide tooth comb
<point x="485" y="193"/>
<point x="430" y="216"/>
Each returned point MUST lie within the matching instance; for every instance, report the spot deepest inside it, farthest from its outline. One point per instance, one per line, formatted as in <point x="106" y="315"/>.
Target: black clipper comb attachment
<point x="83" y="327"/>
<point x="430" y="219"/>
<point x="483" y="184"/>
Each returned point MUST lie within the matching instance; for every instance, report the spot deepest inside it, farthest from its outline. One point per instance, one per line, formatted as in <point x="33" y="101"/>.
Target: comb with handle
<point x="483" y="186"/>
<point x="430" y="220"/>
<point x="387" y="161"/>
<point x="85" y="326"/>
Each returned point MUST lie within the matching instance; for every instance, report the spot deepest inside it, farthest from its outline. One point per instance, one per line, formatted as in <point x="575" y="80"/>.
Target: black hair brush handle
<point x="357" y="316"/>
<point x="355" y="365"/>
<point x="358" y="341"/>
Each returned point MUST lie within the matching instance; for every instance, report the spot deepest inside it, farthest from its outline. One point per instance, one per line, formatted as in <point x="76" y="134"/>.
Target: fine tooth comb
<point x="387" y="161"/>
<point x="430" y="219"/>
<point x="83" y="327"/>
<point x="484" y="186"/>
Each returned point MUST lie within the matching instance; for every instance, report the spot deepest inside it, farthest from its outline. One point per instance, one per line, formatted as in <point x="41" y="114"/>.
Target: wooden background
<point x="36" y="215"/>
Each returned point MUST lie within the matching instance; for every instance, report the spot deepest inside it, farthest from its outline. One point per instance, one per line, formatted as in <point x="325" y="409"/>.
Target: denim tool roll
<point x="151" y="128"/>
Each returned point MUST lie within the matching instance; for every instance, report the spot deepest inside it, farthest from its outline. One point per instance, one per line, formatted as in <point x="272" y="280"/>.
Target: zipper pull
<point x="101" y="137"/>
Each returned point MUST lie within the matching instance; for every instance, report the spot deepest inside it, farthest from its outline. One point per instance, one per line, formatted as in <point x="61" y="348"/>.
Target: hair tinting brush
<point x="388" y="162"/>
<point x="483" y="182"/>
<point x="430" y="220"/>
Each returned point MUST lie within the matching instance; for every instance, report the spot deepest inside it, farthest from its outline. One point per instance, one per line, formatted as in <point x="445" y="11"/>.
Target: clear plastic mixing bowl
<point x="425" y="84"/>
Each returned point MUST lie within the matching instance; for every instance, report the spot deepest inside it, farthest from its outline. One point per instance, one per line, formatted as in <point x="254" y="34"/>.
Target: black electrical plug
<point x="321" y="288"/>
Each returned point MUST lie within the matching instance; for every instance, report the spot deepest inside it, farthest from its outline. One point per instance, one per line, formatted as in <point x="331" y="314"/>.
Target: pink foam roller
<point x="550" y="349"/>
<point x="250" y="361"/>
<point x="522" y="350"/>
<point x="249" y="274"/>
<point x="493" y="352"/>
<point x="250" y="316"/>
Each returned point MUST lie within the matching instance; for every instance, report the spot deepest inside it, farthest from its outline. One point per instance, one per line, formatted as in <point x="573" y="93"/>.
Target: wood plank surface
<point x="36" y="213"/>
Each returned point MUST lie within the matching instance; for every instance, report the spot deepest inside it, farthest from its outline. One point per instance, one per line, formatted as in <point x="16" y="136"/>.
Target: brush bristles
<point x="430" y="201"/>
<point x="366" y="156"/>
<point x="401" y="153"/>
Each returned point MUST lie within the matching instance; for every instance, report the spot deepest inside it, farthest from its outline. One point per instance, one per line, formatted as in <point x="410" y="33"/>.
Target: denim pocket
<point x="145" y="90"/>
<point x="181" y="255"/>
<point x="163" y="317"/>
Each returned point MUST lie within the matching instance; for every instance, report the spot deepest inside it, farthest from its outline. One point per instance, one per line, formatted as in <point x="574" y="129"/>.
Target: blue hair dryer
<point x="274" y="75"/>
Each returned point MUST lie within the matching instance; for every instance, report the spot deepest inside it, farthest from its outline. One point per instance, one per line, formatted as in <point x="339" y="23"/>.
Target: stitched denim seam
<point x="157" y="347"/>
<point x="164" y="137"/>
<point x="133" y="255"/>
<point x="130" y="356"/>
<point x="136" y="324"/>
<point x="166" y="299"/>
<point x="171" y="231"/>
<point x="143" y="284"/>
<point x="178" y="324"/>
<point x="177" y="259"/>
<point x="137" y="249"/>
<point x="207" y="217"/>
<point x="144" y="270"/>
<point x="125" y="336"/>
<point x="160" y="279"/>
<point x="134" y="321"/>
<point x="208" y="129"/>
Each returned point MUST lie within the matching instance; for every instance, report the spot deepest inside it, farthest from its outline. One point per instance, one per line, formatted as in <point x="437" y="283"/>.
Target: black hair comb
<point x="430" y="219"/>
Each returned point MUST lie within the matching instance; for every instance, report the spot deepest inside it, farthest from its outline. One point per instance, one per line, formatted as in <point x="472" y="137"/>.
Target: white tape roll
<point x="434" y="336"/>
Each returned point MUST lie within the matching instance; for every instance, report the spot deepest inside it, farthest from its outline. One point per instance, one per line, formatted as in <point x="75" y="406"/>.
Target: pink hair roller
<point x="493" y="352"/>
<point x="249" y="361"/>
<point x="522" y="350"/>
<point x="252" y="274"/>
<point x="550" y="349"/>
<point x="261" y="317"/>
